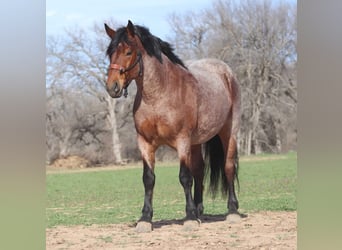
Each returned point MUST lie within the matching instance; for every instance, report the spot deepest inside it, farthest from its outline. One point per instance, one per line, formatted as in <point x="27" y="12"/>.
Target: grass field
<point x="267" y="182"/>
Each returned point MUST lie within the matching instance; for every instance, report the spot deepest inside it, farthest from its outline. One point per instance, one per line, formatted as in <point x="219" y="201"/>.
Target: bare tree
<point x="77" y="61"/>
<point x="258" y="39"/>
<point x="193" y="35"/>
<point x="76" y="125"/>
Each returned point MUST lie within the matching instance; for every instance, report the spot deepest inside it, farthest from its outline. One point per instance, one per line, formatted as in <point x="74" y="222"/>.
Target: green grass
<point x="114" y="196"/>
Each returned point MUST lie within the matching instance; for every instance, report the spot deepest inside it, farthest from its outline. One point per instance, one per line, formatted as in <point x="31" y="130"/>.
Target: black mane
<point x="153" y="45"/>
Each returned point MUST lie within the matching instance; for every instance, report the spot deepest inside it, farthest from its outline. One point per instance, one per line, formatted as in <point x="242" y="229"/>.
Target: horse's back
<point x="212" y="65"/>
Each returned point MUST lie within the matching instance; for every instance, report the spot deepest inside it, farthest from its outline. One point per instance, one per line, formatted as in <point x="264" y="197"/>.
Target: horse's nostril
<point x="116" y="87"/>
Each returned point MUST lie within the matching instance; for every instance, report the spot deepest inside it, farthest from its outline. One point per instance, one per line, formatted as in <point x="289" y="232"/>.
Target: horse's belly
<point x="206" y="130"/>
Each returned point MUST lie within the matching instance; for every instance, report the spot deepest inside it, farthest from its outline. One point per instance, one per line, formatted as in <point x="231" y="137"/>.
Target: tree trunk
<point x="249" y="142"/>
<point x="115" y="136"/>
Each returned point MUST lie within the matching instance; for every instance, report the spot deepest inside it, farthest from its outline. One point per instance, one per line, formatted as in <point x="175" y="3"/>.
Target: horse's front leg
<point x="186" y="179"/>
<point x="148" y="157"/>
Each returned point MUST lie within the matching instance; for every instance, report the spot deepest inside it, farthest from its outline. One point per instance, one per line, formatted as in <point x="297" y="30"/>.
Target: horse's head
<point x="125" y="59"/>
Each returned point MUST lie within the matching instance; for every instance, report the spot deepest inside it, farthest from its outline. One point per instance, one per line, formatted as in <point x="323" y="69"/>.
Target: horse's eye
<point x="129" y="53"/>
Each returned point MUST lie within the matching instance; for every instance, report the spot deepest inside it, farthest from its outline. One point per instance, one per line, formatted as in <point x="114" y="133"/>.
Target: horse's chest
<point x="155" y="129"/>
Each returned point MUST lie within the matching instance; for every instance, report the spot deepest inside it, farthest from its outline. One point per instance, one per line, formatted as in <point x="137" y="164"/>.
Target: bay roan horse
<point x="182" y="107"/>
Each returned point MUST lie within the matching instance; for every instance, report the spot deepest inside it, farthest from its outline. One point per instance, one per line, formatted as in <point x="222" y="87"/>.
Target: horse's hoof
<point x="233" y="218"/>
<point x="143" y="227"/>
<point x="191" y="225"/>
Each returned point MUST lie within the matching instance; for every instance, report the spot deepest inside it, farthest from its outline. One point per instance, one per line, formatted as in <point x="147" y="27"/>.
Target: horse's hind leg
<point x="197" y="170"/>
<point x="186" y="179"/>
<point x="229" y="143"/>
<point x="230" y="170"/>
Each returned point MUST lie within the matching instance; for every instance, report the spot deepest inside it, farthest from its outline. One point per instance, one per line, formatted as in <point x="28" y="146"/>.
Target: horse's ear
<point x="110" y="32"/>
<point x="130" y="28"/>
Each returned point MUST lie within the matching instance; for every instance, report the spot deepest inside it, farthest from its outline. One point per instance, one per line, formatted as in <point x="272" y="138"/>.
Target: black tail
<point x="215" y="163"/>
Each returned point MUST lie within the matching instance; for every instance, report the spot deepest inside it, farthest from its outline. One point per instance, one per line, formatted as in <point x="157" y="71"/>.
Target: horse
<point x="190" y="107"/>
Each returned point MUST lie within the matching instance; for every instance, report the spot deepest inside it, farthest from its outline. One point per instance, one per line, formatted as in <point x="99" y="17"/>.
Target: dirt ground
<point x="263" y="230"/>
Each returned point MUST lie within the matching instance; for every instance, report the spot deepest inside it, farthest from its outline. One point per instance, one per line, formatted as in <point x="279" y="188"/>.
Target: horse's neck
<point x="155" y="78"/>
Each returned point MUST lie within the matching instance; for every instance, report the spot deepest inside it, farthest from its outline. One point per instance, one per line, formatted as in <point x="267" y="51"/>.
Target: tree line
<point x="257" y="39"/>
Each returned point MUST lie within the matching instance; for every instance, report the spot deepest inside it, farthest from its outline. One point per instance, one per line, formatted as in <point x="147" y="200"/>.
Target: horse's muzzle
<point x="116" y="91"/>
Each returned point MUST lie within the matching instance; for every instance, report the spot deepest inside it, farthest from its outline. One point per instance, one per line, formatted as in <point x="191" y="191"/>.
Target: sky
<point x="153" y="14"/>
